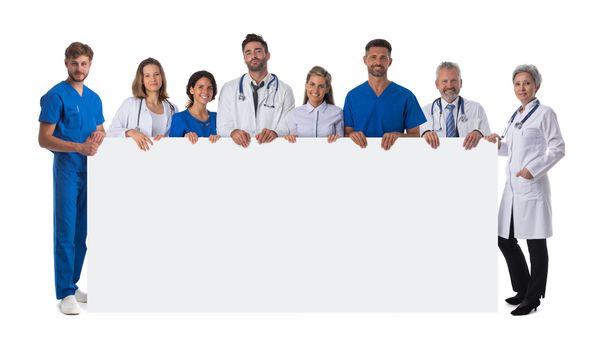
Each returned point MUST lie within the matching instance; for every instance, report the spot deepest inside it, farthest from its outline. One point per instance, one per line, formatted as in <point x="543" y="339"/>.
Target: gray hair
<point x="447" y="65"/>
<point x="530" y="69"/>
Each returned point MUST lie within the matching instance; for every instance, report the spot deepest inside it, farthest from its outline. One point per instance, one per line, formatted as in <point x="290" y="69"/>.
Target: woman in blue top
<point x="196" y="121"/>
<point x="318" y="116"/>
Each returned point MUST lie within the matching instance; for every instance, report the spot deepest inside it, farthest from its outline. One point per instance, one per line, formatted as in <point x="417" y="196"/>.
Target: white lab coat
<point x="234" y="113"/>
<point x="537" y="146"/>
<point x="126" y="118"/>
<point x="475" y="114"/>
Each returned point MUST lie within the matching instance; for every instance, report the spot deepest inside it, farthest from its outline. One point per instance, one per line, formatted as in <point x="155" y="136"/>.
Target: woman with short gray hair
<point x="533" y="143"/>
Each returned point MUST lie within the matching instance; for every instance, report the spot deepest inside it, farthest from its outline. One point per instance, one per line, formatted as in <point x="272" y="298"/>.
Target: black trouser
<point x="531" y="284"/>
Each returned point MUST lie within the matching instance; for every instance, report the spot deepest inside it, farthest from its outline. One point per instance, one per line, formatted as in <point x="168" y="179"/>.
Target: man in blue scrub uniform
<point x="379" y="107"/>
<point x="71" y="127"/>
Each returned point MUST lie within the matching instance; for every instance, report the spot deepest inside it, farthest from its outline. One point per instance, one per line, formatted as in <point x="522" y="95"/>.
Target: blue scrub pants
<point x="70" y="229"/>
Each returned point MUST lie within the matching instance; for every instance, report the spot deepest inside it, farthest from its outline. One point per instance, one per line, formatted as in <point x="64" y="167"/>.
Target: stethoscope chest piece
<point x="274" y="81"/>
<point x="518" y="125"/>
<point x="461" y="112"/>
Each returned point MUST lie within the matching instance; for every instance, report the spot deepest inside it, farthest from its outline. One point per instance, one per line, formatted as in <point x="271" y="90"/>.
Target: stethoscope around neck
<point x="274" y="80"/>
<point x="518" y="125"/>
<point x="461" y="112"/>
<point x="137" y="128"/>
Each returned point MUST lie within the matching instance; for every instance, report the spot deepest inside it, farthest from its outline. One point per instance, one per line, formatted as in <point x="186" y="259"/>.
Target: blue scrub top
<point x="76" y="117"/>
<point x="183" y="123"/>
<point x="396" y="109"/>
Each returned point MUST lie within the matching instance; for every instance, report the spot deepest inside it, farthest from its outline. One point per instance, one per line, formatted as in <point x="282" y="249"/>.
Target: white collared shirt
<point x="476" y="118"/>
<point x="321" y="121"/>
<point x="275" y="100"/>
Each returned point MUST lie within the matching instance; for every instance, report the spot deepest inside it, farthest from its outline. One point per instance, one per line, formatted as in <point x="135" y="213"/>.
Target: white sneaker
<point x="80" y="296"/>
<point x="69" y="306"/>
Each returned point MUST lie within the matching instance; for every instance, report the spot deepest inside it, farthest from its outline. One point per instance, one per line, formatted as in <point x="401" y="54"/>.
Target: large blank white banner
<point x="286" y="227"/>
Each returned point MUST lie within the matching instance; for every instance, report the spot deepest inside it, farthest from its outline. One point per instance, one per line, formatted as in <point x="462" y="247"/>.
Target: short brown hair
<point x="77" y="49"/>
<point x="379" y="43"/>
<point x="138" y="89"/>
<point x="254" y="37"/>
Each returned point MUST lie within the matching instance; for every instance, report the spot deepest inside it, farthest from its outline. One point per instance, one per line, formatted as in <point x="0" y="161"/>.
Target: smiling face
<point x="377" y="61"/>
<point x="78" y="68"/>
<point x="151" y="78"/>
<point x="525" y="87"/>
<point x="255" y="56"/>
<point x="316" y="89"/>
<point x="202" y="91"/>
<point x="449" y="84"/>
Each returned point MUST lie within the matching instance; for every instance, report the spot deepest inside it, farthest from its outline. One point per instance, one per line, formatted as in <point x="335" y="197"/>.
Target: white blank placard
<point x="286" y="227"/>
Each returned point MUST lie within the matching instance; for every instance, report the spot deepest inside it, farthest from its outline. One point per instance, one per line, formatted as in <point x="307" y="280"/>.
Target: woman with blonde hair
<point x="147" y="114"/>
<point x="318" y="116"/>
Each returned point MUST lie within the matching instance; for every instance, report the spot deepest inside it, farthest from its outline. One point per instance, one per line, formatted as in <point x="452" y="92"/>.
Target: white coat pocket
<point x="532" y="137"/>
<point x="523" y="186"/>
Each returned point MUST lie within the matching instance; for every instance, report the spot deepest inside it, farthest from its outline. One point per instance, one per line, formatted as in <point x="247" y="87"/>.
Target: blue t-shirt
<point x="183" y="123"/>
<point x="396" y="109"/>
<point x="76" y="117"/>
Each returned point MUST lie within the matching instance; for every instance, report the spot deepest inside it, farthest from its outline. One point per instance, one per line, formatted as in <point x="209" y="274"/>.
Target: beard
<point x="258" y="66"/>
<point x="450" y="95"/>
<point x="76" y="76"/>
<point x="377" y="71"/>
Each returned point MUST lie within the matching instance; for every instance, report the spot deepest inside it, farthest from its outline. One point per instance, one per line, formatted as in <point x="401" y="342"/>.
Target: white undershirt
<point x="159" y="124"/>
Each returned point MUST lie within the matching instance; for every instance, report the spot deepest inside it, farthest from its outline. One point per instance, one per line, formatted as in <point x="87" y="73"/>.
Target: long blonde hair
<point x="319" y="71"/>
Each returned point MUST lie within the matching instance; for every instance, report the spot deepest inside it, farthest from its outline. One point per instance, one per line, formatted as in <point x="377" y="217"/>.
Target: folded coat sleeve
<point x="119" y="123"/>
<point x="483" y="126"/>
<point x="225" y="118"/>
<point x="288" y="104"/>
<point x="554" y="143"/>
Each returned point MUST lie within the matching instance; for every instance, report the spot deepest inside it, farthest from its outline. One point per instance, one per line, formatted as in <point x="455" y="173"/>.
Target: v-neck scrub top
<point x="395" y="110"/>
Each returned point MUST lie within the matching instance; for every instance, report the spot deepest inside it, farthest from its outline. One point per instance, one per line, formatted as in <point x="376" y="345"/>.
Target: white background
<point x="488" y="39"/>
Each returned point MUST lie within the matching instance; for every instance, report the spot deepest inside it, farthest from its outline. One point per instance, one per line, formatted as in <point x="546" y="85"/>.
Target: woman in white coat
<point x="148" y="113"/>
<point x="533" y="143"/>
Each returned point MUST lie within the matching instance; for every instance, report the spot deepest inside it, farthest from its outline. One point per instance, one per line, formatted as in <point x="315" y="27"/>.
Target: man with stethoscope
<point x="451" y="115"/>
<point x="255" y="104"/>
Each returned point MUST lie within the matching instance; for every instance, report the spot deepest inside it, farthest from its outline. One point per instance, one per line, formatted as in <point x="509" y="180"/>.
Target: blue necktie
<point x="450" y="123"/>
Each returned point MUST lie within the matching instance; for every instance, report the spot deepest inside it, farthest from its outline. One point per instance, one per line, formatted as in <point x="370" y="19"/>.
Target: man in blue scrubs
<point x="71" y="126"/>
<point x="379" y="107"/>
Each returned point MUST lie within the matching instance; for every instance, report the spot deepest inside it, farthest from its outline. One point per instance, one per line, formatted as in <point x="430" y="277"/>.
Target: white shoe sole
<point x="80" y="297"/>
<point x="69" y="306"/>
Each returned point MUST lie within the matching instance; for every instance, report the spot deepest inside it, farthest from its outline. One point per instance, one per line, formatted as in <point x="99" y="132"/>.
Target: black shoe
<point x="525" y="307"/>
<point x="515" y="300"/>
